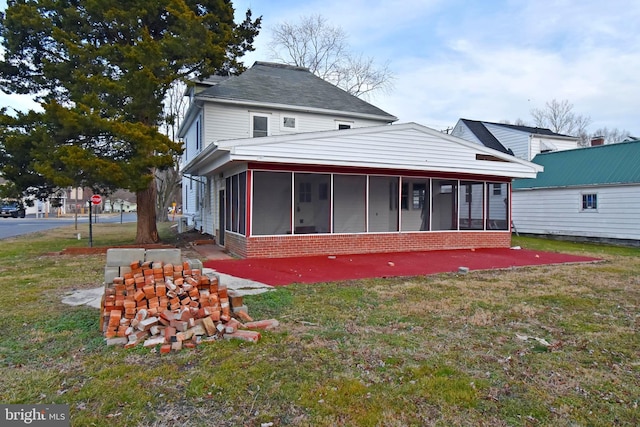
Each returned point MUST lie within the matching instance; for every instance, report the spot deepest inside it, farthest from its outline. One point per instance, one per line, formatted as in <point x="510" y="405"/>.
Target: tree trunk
<point x="147" y="231"/>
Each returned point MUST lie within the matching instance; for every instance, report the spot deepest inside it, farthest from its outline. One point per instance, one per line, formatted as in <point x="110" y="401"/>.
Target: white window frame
<point x="582" y="202"/>
<point x="344" y="123"/>
<point x="284" y="128"/>
<point x="251" y="119"/>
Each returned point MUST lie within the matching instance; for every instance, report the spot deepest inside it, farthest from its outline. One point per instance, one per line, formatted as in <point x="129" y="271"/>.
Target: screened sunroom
<point x="376" y="189"/>
<point x="287" y="202"/>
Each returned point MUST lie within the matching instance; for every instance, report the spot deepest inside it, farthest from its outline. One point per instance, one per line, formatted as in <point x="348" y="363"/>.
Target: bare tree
<point x="324" y="50"/>
<point x="168" y="180"/>
<point x="559" y="117"/>
<point x="612" y="136"/>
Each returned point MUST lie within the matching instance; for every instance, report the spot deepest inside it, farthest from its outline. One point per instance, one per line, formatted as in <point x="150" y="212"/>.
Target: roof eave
<point x="248" y="103"/>
<point x="381" y="165"/>
<point x="192" y="112"/>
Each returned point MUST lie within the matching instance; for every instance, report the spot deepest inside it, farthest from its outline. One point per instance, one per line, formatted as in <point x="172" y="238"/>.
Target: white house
<point x="524" y="142"/>
<point x="268" y="99"/>
<point x="280" y="163"/>
<point x="583" y="194"/>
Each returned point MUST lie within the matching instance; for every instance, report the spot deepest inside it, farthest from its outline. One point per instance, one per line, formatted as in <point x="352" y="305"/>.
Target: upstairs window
<point x="198" y="135"/>
<point x="589" y="202"/>
<point x="289" y="123"/>
<point x="344" y="125"/>
<point x="259" y="125"/>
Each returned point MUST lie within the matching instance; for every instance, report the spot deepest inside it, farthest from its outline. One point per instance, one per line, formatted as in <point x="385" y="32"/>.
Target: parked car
<point x="12" y="209"/>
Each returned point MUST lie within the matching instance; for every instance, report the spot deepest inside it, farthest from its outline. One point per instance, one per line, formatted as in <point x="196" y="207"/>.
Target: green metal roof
<point x="601" y="165"/>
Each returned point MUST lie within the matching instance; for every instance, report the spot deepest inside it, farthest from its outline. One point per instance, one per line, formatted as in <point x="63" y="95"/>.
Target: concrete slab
<point x="117" y="257"/>
<point x="90" y="297"/>
<point x="240" y="285"/>
<point x="93" y="297"/>
<point x="168" y="256"/>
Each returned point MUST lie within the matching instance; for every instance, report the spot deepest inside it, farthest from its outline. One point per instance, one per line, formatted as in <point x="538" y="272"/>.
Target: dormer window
<point x="259" y="125"/>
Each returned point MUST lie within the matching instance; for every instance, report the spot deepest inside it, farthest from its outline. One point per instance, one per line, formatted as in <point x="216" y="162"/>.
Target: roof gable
<point x="484" y="135"/>
<point x="601" y="165"/>
<point x="285" y="85"/>
<point x="531" y="130"/>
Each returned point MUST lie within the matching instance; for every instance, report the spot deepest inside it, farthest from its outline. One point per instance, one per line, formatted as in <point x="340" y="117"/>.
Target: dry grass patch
<point x="440" y="350"/>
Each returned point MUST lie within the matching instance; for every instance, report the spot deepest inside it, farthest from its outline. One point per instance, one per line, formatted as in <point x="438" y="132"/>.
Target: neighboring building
<point x="583" y="194"/>
<point x="280" y="163"/>
<point x="523" y="142"/>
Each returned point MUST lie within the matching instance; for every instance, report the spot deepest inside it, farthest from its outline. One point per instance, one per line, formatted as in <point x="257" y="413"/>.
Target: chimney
<point x="597" y="140"/>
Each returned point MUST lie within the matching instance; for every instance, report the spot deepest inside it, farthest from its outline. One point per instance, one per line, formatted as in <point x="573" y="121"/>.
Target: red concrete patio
<point x="315" y="269"/>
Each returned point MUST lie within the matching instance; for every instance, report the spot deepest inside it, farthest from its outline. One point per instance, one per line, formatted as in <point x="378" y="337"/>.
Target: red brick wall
<point x="337" y="244"/>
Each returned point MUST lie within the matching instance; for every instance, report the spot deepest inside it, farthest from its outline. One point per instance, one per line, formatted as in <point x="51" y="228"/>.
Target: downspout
<point x="198" y="202"/>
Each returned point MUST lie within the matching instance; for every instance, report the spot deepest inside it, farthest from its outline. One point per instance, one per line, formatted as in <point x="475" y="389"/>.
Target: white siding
<point x="559" y="211"/>
<point x="397" y="146"/>
<point x="190" y="192"/>
<point x="516" y="140"/>
<point x="224" y="122"/>
<point x="537" y="143"/>
<point x="189" y="184"/>
<point x="462" y="131"/>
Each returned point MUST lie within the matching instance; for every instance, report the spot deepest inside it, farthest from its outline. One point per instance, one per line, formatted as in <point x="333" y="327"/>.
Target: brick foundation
<point x="339" y="244"/>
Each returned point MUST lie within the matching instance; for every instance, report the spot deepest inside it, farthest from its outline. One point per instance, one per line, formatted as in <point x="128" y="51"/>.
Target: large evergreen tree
<point x="100" y="70"/>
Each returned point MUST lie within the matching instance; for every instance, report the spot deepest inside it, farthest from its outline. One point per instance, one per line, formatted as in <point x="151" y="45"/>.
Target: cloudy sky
<point x="487" y="60"/>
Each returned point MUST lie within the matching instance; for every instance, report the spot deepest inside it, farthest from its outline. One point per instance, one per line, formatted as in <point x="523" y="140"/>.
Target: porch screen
<point x="415" y="204"/>
<point x="236" y="196"/>
<point x="312" y="203"/>
<point x="471" y="205"/>
<point x="349" y="203"/>
<point x="271" y="211"/>
<point x="445" y="204"/>
<point x="383" y="203"/>
<point x="497" y="206"/>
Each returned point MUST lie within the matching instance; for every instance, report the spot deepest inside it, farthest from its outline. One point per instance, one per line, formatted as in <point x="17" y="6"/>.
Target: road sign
<point x="96" y="199"/>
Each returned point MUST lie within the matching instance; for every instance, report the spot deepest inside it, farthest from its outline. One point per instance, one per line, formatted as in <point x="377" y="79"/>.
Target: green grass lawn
<point x="439" y="350"/>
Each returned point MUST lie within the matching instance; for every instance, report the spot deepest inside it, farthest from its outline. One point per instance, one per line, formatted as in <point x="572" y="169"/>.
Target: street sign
<point x="96" y="199"/>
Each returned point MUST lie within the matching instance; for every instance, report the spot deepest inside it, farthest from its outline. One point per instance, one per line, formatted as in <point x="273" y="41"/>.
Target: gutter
<point x="289" y="107"/>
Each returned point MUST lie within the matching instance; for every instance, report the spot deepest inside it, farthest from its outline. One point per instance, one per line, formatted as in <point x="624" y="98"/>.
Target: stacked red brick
<point x="173" y="306"/>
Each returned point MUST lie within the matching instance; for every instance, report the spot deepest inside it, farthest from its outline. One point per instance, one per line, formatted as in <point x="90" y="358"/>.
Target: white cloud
<point x="490" y="60"/>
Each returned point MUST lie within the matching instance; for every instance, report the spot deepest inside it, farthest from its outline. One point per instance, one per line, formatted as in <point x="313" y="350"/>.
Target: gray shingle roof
<point x="270" y="83"/>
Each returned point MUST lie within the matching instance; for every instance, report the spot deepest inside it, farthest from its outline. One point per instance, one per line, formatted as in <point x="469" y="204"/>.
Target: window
<point x="289" y="123"/>
<point x="236" y="196"/>
<point x="344" y="125"/>
<point x="589" y="201"/>
<point x="471" y="210"/>
<point x="304" y="193"/>
<point x="415" y="205"/>
<point x="350" y="203"/>
<point x="323" y="191"/>
<point x="497" y="206"/>
<point x="198" y="135"/>
<point x="312" y="214"/>
<point x="444" y="212"/>
<point x="271" y="203"/>
<point x="383" y="203"/>
<point x="259" y="125"/>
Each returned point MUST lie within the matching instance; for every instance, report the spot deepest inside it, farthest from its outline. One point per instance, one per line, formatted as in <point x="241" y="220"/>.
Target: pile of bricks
<point x="173" y="306"/>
